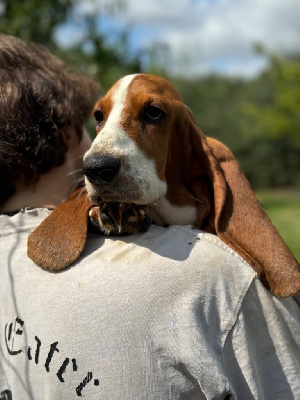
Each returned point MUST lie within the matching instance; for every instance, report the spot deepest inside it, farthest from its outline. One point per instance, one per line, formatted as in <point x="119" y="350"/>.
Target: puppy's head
<point x="127" y="160"/>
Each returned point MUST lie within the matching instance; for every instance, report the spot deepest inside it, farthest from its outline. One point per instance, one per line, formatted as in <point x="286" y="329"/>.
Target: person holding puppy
<point x="172" y="313"/>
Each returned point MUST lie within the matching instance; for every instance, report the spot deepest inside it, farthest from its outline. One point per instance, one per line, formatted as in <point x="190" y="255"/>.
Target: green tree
<point x="38" y="20"/>
<point x="258" y="119"/>
<point x="34" y="20"/>
<point x="272" y="128"/>
<point x="279" y="116"/>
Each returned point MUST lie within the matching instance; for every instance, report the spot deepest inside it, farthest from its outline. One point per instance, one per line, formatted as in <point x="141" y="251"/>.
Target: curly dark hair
<point x="39" y="99"/>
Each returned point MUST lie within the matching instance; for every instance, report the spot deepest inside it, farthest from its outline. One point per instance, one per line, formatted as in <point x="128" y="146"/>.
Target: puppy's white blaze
<point x="114" y="141"/>
<point x="176" y="215"/>
<point x="112" y="138"/>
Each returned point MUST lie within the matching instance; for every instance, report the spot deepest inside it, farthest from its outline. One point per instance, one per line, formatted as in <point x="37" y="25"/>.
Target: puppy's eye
<point x="153" y="114"/>
<point x="99" y="117"/>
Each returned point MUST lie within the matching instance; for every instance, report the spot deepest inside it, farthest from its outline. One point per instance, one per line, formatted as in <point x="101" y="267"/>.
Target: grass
<point x="283" y="208"/>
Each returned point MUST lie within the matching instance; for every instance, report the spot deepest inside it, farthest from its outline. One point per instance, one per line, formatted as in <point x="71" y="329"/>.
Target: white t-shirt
<point x="169" y="314"/>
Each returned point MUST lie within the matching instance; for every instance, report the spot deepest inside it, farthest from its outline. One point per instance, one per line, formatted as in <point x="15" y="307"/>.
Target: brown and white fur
<point x="141" y="147"/>
<point x="149" y="150"/>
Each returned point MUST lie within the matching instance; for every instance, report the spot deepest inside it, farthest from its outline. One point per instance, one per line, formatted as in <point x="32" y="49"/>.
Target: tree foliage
<point x="279" y="116"/>
<point x="38" y="20"/>
<point x="258" y="119"/>
<point x="34" y="20"/>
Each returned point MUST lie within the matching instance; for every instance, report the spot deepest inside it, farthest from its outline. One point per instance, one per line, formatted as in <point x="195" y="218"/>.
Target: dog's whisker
<point x="143" y="178"/>
<point x="147" y="171"/>
<point x="81" y="193"/>
<point x="86" y="199"/>
<point x="196" y="198"/>
<point x="75" y="184"/>
<point x="75" y="171"/>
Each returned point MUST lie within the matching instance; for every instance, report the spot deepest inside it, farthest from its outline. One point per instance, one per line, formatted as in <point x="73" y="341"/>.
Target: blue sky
<point x="202" y="35"/>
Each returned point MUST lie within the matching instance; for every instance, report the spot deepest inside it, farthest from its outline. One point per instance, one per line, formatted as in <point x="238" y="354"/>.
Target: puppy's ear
<point x="59" y="240"/>
<point x="239" y="219"/>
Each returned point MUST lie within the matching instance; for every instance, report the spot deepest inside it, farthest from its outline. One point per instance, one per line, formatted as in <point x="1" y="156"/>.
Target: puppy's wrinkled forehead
<point x="132" y="92"/>
<point x="152" y="86"/>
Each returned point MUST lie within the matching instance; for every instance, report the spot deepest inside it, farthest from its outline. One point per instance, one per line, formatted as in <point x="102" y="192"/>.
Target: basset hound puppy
<point x="149" y="151"/>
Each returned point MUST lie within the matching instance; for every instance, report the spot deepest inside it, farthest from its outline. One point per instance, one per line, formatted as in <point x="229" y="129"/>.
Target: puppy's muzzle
<point x="101" y="169"/>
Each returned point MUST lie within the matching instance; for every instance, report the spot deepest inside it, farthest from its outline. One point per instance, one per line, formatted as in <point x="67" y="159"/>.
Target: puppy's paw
<point x="119" y="218"/>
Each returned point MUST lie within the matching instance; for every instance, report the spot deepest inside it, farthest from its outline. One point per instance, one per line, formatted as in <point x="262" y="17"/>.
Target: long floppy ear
<point x="239" y="219"/>
<point x="58" y="241"/>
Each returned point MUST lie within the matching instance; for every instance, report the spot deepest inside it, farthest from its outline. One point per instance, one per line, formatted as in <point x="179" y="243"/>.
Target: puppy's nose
<point x="101" y="168"/>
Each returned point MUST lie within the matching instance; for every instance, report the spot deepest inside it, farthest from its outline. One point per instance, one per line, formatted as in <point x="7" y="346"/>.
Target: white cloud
<point x="211" y="35"/>
<point x="219" y="35"/>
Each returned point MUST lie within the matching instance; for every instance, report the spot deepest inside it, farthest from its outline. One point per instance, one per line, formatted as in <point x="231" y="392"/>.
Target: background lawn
<point x="283" y="208"/>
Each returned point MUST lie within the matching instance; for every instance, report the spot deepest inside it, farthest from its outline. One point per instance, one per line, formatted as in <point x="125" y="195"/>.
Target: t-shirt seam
<point x="23" y="228"/>
<point x="235" y="321"/>
<point x="214" y="239"/>
<point x="7" y="231"/>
